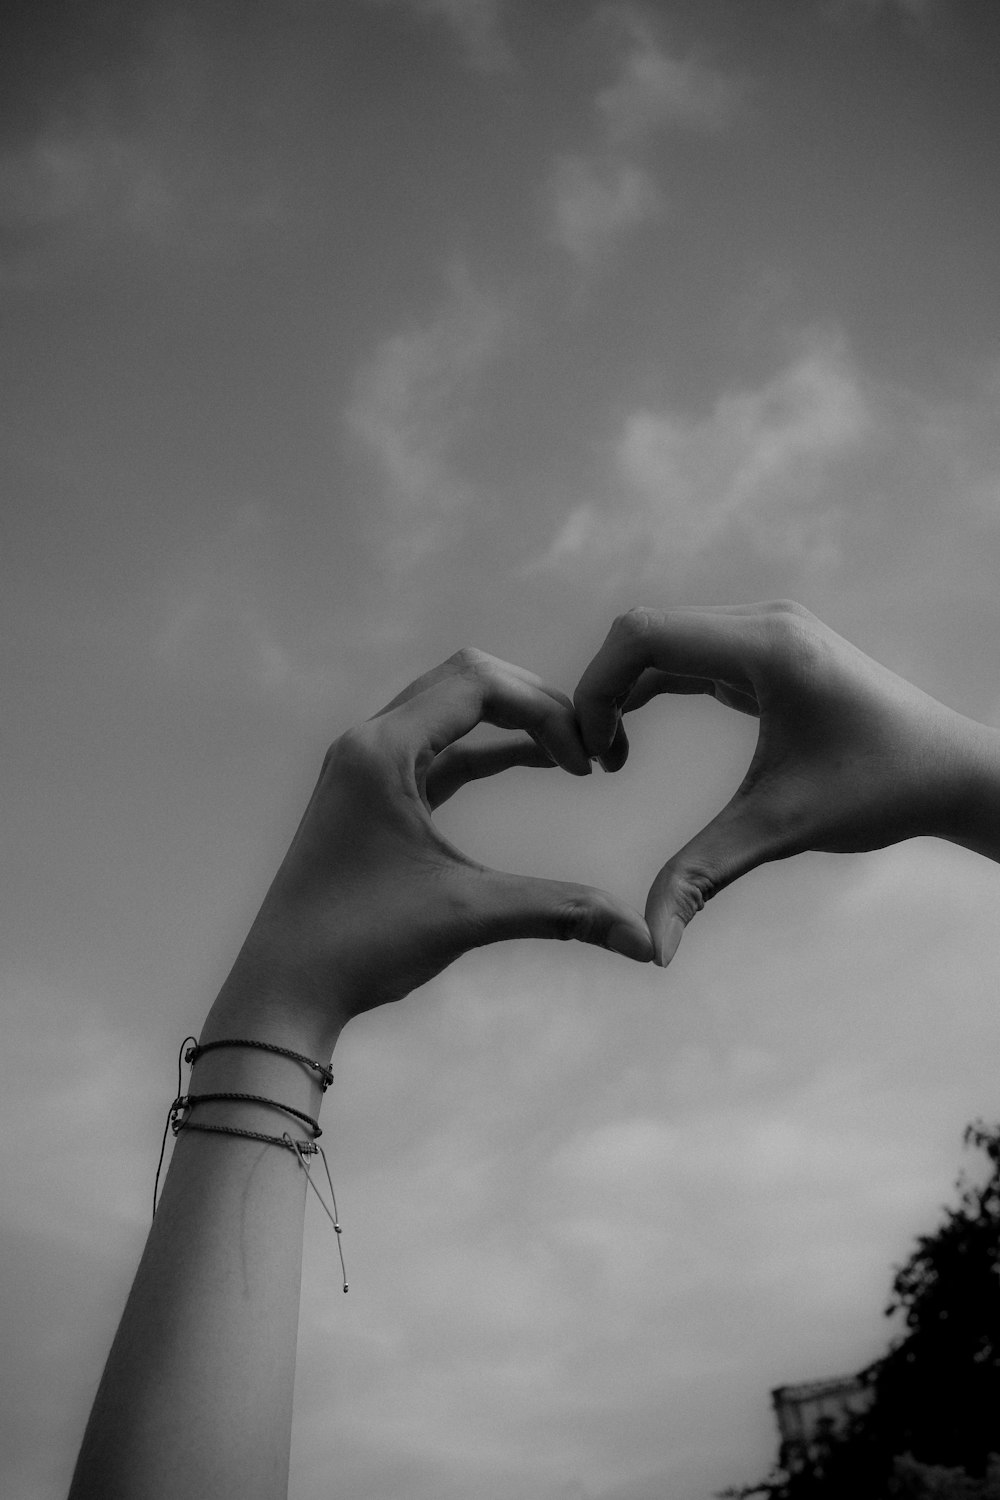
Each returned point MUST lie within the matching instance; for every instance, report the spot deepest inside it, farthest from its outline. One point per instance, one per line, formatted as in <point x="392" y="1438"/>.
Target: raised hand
<point x="371" y="900"/>
<point x="849" y="755"/>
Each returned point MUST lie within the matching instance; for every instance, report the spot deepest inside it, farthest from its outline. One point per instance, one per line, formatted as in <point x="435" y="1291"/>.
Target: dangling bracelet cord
<point x="179" y="1118"/>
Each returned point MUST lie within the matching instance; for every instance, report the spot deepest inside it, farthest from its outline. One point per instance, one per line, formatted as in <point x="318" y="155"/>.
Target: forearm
<point x="196" y="1397"/>
<point x="369" y="903"/>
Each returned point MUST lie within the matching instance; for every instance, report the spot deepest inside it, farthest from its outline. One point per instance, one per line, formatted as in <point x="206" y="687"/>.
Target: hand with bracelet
<point x="369" y="902"/>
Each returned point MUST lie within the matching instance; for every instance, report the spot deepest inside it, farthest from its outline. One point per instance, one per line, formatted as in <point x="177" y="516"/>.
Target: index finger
<point x="472" y="688"/>
<point x="692" y="642"/>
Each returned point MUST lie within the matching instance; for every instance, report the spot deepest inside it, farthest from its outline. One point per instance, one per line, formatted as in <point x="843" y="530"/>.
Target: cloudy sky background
<point x="338" y="334"/>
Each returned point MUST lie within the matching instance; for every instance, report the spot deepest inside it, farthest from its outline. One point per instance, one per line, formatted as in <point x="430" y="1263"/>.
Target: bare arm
<point x="849" y="755"/>
<point x="369" y="902"/>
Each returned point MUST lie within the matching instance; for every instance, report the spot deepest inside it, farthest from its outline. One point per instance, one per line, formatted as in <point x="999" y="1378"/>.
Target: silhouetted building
<point x="808" y="1414"/>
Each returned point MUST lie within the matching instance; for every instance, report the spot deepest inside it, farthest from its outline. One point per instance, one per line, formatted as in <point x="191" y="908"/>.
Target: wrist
<point x="976" y="821"/>
<point x="268" y="1000"/>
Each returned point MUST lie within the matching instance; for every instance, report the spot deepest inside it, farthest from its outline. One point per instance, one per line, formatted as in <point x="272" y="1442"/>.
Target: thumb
<point x="736" y="841"/>
<point x="513" y="906"/>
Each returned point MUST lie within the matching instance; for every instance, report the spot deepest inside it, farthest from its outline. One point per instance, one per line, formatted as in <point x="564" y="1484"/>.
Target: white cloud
<point x="476" y="24"/>
<point x="220" y="622"/>
<point x="754" y="465"/>
<point x="149" y="167"/>
<point x="50" y="179"/>
<point x="654" y="89"/>
<point x="80" y="1192"/>
<point x="919" y="13"/>
<point x="213" y="619"/>
<point x="876" y="504"/>
<point x="75" y="183"/>
<point x="691" y="1205"/>
<point x="408" y="409"/>
<point x="594" y="198"/>
<point x="596" y="203"/>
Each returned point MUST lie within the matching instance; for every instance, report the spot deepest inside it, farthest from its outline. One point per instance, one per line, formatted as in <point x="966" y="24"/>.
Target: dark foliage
<point x="932" y="1431"/>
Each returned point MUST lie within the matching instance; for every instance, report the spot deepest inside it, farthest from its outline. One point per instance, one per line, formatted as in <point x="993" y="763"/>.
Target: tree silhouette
<point x="932" y="1430"/>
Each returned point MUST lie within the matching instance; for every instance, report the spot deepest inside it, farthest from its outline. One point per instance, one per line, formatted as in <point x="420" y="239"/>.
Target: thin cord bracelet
<point x="179" y="1119"/>
<point x="325" y="1074"/>
<point x="188" y="1102"/>
<point x="301" y="1149"/>
<point x="304" y="1148"/>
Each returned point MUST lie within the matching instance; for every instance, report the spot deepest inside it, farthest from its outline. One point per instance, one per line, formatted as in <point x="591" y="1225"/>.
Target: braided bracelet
<point x="303" y="1148"/>
<point x="325" y="1074"/>
<point x="187" y="1102"/>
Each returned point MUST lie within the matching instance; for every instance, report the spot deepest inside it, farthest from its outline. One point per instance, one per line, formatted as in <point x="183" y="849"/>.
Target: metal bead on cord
<point x="179" y="1119"/>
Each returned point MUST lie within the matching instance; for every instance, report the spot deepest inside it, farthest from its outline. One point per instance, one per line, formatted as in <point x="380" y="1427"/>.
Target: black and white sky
<point x="339" y="334"/>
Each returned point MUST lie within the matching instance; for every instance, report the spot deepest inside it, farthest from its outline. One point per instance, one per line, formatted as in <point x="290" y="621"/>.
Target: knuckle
<point x="470" y="661"/>
<point x="789" y="632"/>
<point x="635" y="623"/>
<point x="354" y="753"/>
<point x="788" y="607"/>
<point x="786" y="621"/>
<point x="577" y="918"/>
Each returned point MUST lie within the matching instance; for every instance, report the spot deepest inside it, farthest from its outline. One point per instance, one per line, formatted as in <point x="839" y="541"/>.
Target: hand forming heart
<point x="849" y="756"/>
<point x="371" y="900"/>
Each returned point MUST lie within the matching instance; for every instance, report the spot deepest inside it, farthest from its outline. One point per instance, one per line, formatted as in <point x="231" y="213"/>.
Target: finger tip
<point x="616" y="754"/>
<point x="667" y="940"/>
<point x="630" y="943"/>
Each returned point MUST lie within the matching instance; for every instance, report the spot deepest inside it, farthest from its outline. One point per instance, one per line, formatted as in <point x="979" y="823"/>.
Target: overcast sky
<point x="339" y="334"/>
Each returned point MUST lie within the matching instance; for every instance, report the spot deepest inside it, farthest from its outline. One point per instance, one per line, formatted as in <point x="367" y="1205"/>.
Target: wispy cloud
<point x="871" y="501"/>
<point x="654" y="89"/>
<point x="917" y="13"/>
<point x="596" y="203"/>
<point x="476" y="25"/>
<point x="755" y="464"/>
<point x="408" y="409"/>
<point x="594" y="198"/>
<point x="219" y="620"/>
<point x="104" y="161"/>
<point x="70" y="186"/>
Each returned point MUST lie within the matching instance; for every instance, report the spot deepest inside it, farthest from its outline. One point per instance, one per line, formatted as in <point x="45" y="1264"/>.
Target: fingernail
<point x="629" y="943"/>
<point x="670" y="941"/>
